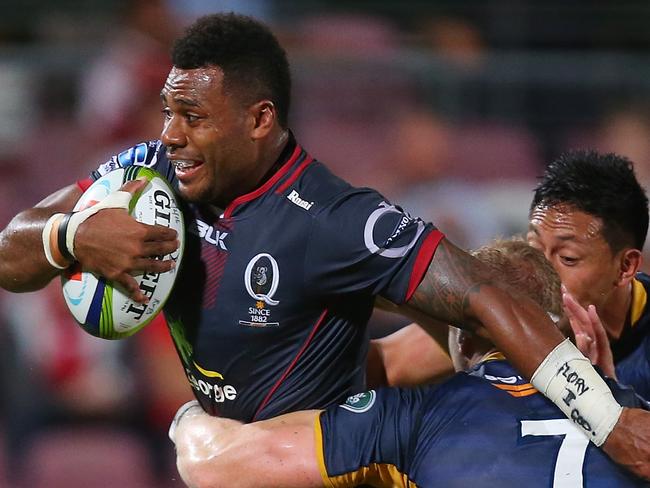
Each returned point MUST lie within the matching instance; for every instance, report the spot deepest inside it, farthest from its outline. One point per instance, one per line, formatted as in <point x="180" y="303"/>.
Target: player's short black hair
<point x="254" y="64"/>
<point x="602" y="185"/>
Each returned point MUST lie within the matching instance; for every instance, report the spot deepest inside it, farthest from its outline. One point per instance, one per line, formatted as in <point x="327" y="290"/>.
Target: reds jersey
<point x="270" y="306"/>
<point x="487" y="429"/>
<point x="632" y="349"/>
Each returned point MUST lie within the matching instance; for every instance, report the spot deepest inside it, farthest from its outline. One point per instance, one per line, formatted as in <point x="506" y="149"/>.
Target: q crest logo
<point x="261" y="279"/>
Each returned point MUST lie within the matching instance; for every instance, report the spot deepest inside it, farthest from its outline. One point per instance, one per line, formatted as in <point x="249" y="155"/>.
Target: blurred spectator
<point x="626" y="131"/>
<point x="440" y="185"/>
<point x="348" y="101"/>
<point x="122" y="87"/>
<point x="58" y="375"/>
<point x="185" y="11"/>
<point x="453" y="38"/>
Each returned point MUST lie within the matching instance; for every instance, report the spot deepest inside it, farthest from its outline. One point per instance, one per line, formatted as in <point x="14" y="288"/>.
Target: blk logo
<point x="210" y="234"/>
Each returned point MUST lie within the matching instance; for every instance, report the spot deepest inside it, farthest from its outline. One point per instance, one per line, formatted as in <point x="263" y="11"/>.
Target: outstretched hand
<point x="590" y="335"/>
<point x="114" y="245"/>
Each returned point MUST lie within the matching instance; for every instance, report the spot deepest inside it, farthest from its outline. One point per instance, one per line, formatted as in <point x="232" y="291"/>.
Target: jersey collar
<point x="639" y="300"/>
<point x="291" y="153"/>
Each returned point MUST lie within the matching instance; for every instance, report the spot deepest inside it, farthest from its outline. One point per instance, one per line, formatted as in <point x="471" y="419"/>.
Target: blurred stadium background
<point x="451" y="108"/>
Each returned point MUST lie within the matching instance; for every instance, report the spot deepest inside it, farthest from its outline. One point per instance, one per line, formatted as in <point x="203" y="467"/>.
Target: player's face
<point x="574" y="244"/>
<point x="206" y="134"/>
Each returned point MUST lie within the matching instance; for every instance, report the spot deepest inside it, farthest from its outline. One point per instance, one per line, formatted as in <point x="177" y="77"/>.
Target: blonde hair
<point x="524" y="269"/>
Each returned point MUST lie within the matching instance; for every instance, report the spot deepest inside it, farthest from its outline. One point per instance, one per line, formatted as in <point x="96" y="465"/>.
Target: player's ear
<point x="631" y="260"/>
<point x="263" y="118"/>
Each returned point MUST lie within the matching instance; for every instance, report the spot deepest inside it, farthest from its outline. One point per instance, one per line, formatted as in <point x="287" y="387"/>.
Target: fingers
<point x="159" y="248"/>
<point x="130" y="285"/>
<point x="159" y="233"/>
<point x="131" y="288"/>
<point x="580" y="322"/>
<point x="577" y="315"/>
<point x="135" y="186"/>
<point x="596" y="324"/>
<point x="153" y="266"/>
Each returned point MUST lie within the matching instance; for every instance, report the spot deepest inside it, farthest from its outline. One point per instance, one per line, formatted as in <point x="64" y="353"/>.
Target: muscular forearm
<point x="459" y="289"/>
<point x="408" y="357"/>
<point x="23" y="266"/>
<point x="215" y="452"/>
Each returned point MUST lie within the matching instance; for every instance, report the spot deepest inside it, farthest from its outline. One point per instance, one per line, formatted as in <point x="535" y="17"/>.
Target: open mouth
<point x="185" y="167"/>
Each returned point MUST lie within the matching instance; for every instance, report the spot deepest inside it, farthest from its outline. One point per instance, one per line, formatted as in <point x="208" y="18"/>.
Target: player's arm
<point x="458" y="289"/>
<point x="215" y="452"/>
<point x="110" y="243"/>
<point x="391" y="358"/>
<point x="23" y="265"/>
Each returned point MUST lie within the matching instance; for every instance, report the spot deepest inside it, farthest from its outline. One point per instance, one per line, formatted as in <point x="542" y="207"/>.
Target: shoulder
<point x="644" y="279"/>
<point x="319" y="191"/>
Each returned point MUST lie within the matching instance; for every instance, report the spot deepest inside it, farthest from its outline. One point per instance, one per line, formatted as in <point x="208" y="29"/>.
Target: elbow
<point x="12" y="282"/>
<point x="197" y="473"/>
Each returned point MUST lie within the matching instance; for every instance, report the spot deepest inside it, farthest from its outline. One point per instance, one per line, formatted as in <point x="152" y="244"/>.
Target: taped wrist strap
<point x="569" y="380"/>
<point x="117" y="199"/>
<point x="50" y="244"/>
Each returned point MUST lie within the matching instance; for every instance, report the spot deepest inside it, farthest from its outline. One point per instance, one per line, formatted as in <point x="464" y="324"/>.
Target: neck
<point x="271" y="162"/>
<point x="615" y="311"/>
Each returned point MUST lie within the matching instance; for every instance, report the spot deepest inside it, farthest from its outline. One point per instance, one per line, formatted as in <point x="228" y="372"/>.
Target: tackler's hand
<point x="591" y="337"/>
<point x="112" y="244"/>
<point x="629" y="443"/>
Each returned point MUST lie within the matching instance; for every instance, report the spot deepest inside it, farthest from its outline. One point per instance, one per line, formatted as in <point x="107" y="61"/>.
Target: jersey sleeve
<point x="149" y="154"/>
<point x="361" y="243"/>
<point x="634" y="370"/>
<point x="369" y="438"/>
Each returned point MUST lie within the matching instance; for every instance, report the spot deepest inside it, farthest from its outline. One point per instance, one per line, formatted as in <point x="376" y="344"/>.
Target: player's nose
<point x="172" y="134"/>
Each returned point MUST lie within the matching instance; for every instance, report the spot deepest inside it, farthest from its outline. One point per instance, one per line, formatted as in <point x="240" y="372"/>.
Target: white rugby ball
<point x="99" y="306"/>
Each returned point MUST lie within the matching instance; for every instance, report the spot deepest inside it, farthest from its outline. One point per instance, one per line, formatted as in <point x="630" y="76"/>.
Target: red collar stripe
<point x="289" y="181"/>
<point x="266" y="186"/>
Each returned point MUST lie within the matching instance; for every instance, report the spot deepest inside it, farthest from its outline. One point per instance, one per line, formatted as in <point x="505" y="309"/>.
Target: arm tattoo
<point x="444" y="293"/>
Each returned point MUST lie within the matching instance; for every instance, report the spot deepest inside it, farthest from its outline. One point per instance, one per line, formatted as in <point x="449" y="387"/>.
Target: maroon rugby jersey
<point x="270" y="307"/>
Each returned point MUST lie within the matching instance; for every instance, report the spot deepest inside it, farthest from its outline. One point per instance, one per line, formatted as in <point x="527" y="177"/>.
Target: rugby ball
<point x="98" y="305"/>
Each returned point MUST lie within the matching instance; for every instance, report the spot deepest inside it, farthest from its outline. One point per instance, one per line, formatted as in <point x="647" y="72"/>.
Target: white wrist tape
<point x="117" y="199"/>
<point x="179" y="414"/>
<point x="47" y="231"/>
<point x="569" y="380"/>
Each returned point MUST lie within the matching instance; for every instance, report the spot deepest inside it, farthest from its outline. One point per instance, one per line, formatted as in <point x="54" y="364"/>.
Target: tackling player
<point x="283" y="259"/>
<point x="483" y="428"/>
<point x="589" y="216"/>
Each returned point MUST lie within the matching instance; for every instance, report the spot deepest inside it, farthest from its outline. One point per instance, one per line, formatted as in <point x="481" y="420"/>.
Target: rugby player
<point x="589" y="216"/>
<point x="483" y="428"/>
<point x="283" y="260"/>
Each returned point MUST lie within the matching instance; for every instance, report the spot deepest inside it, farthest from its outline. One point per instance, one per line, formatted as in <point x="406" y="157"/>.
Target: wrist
<point x="569" y="380"/>
<point x="51" y="237"/>
<point x="185" y="410"/>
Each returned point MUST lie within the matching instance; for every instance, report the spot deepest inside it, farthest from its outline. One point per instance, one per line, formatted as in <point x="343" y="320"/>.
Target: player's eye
<point x="568" y="260"/>
<point x="191" y="118"/>
<point x="167" y="113"/>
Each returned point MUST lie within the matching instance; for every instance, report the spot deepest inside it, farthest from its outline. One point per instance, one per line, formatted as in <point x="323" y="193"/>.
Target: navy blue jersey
<point x="270" y="308"/>
<point x="489" y="428"/>
<point x="632" y="350"/>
